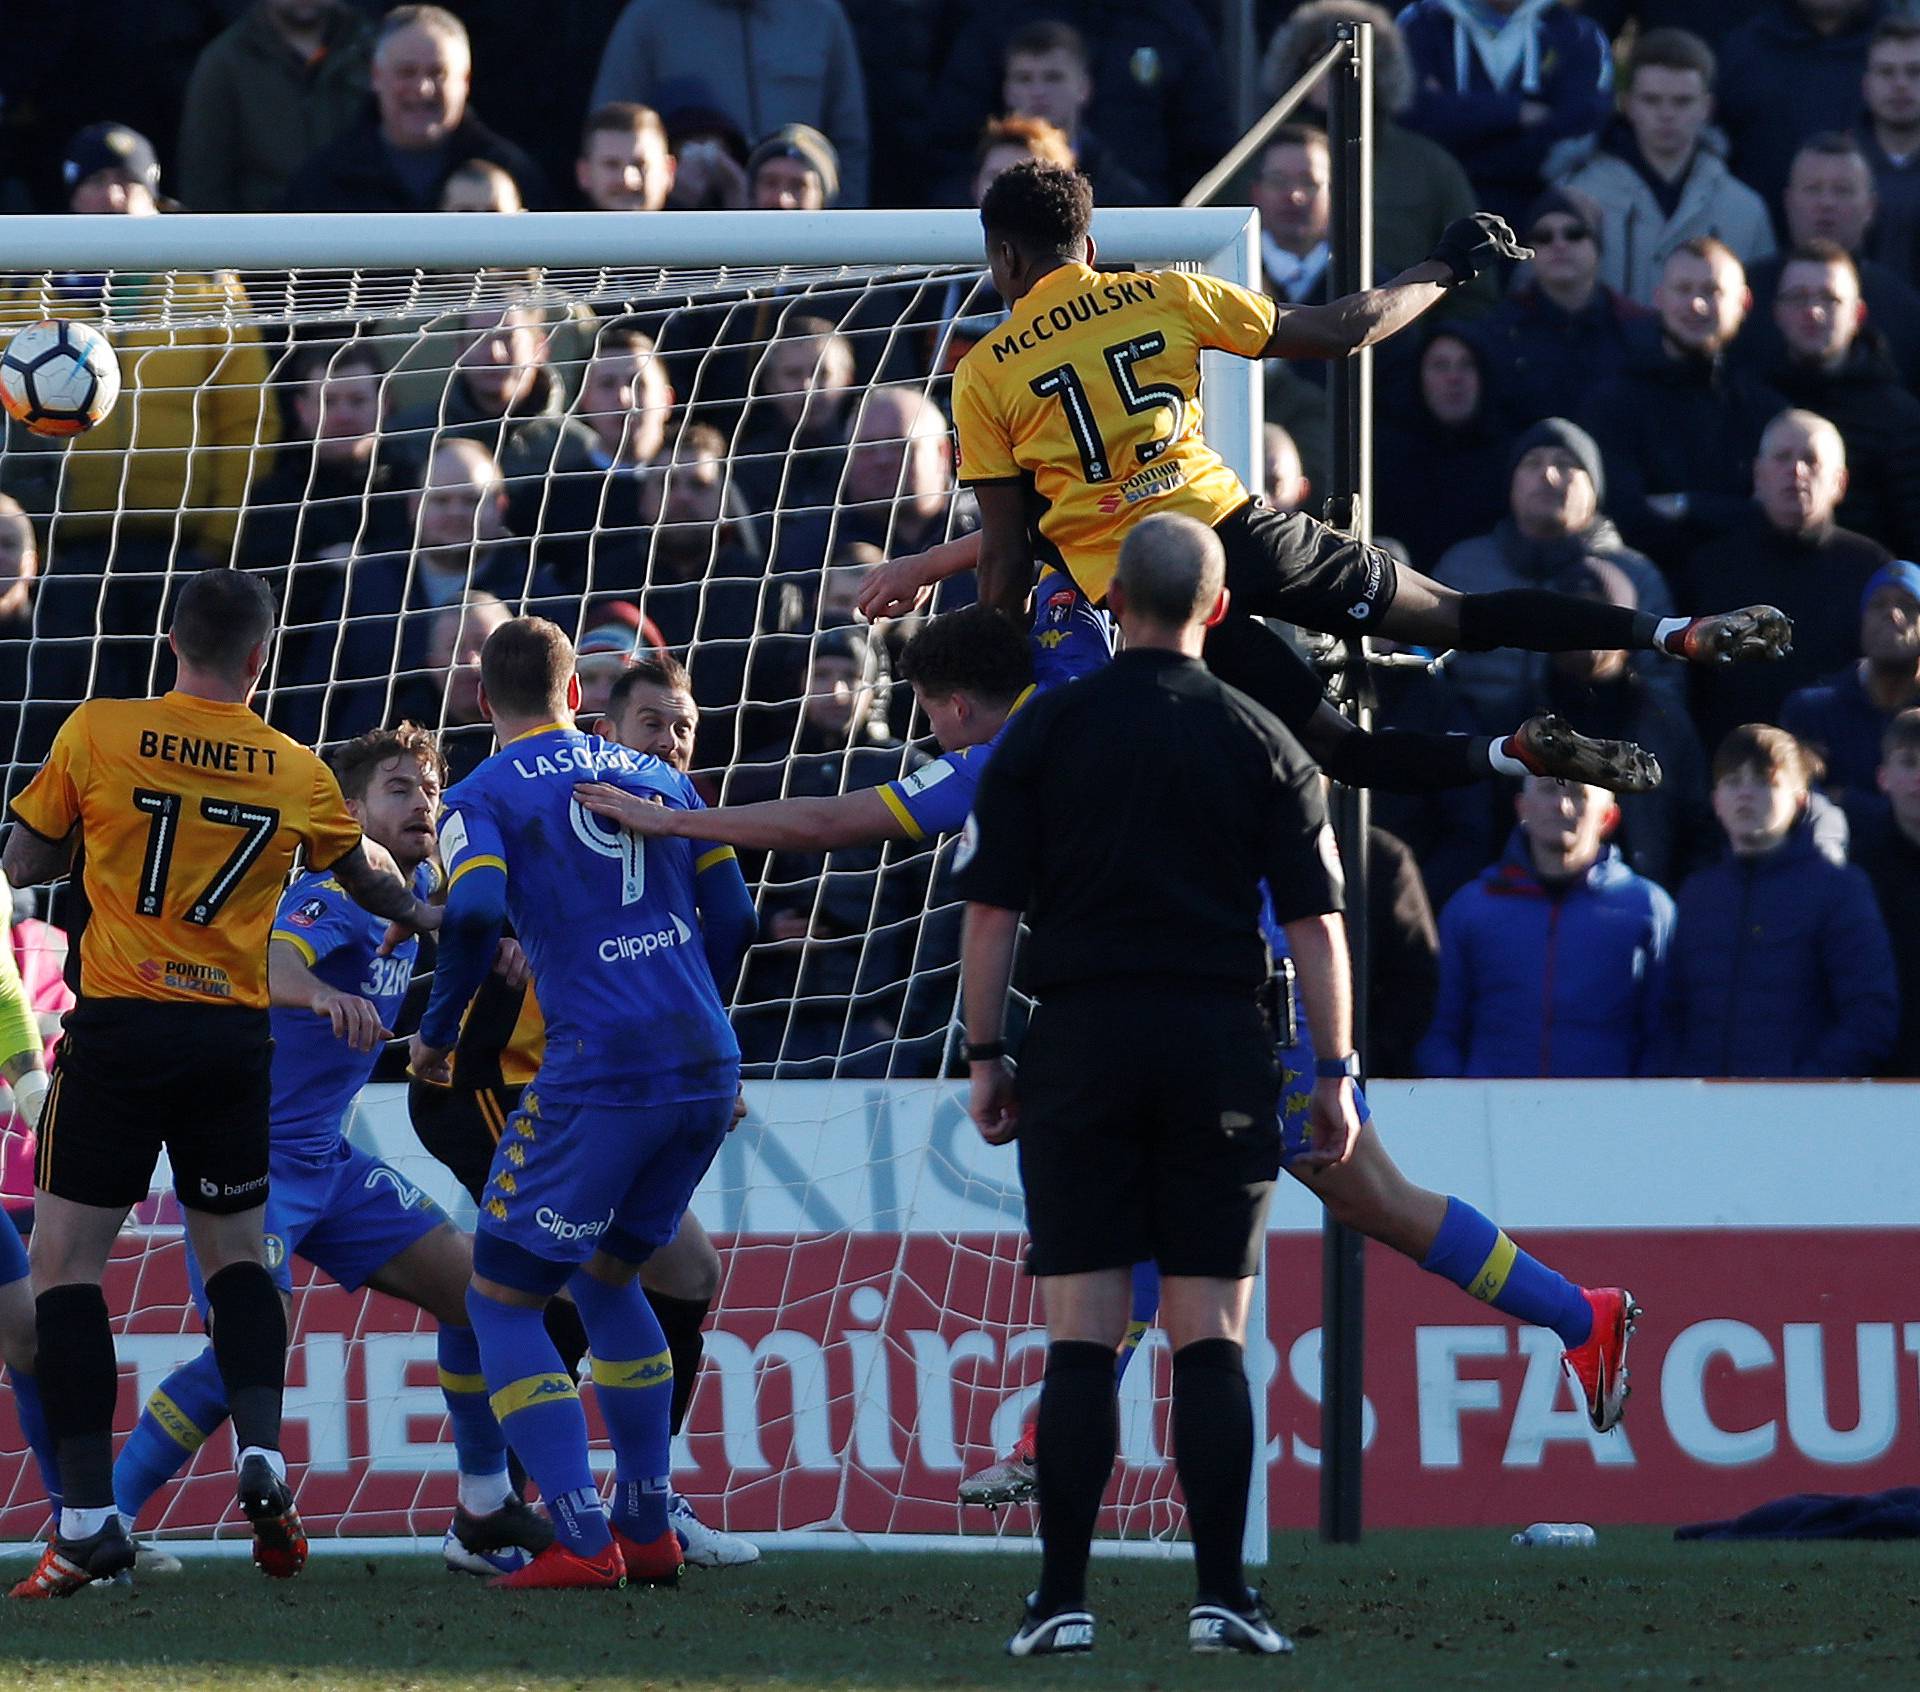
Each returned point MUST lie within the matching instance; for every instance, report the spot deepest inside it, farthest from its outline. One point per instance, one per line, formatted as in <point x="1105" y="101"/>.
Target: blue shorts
<point x="572" y="1179"/>
<point x="345" y="1212"/>
<point x="1296" y="1095"/>
<point x="13" y="1252"/>
<point x="1071" y="639"/>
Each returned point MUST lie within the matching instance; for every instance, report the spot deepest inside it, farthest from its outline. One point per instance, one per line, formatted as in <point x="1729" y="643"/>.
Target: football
<point x="59" y="378"/>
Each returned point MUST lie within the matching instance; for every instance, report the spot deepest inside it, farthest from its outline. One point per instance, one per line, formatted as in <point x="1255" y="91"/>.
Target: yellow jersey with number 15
<point x="190" y="813"/>
<point x="1091" y="392"/>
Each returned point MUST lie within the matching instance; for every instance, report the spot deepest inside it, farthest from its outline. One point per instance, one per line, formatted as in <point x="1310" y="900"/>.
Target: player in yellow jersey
<point x="179" y="818"/>
<point x="1082" y="413"/>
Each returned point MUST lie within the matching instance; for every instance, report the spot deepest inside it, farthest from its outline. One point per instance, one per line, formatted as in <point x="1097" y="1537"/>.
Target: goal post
<point x="873" y="1334"/>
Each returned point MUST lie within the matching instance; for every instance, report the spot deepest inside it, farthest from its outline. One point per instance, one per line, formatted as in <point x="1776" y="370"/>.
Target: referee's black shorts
<point x="1148" y="1129"/>
<point x="133" y="1075"/>
<point x="1286" y="564"/>
<point x="461" y="1126"/>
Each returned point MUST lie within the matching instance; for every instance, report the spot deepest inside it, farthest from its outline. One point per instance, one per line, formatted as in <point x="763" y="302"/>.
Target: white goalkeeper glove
<point x="30" y="1096"/>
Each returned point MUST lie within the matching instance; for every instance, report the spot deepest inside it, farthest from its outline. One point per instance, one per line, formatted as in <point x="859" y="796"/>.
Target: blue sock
<point x="1475" y="1255"/>
<point x="633" y="1377"/>
<point x="477" y="1439"/>
<point x="33" y="1423"/>
<point x="538" y="1408"/>
<point x="1146" y="1306"/>
<point x="183" y="1413"/>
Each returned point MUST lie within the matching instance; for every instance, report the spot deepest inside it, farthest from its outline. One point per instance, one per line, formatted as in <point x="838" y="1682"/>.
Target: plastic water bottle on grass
<point x="1558" y="1536"/>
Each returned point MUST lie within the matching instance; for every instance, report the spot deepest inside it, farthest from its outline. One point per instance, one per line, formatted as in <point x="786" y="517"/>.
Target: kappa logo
<point x="516" y="1154"/>
<point x="497" y="1209"/>
<point x="507" y="1184"/>
<point x="649" y="1371"/>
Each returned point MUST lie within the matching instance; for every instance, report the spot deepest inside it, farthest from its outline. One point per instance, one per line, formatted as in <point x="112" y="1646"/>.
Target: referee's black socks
<point x="79" y="1383"/>
<point x="1213" y="1455"/>
<point x="249" y="1326"/>
<point x="1076" y="1435"/>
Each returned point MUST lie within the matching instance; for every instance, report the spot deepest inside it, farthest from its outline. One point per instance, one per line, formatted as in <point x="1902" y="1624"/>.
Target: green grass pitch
<point x="1407" y="1610"/>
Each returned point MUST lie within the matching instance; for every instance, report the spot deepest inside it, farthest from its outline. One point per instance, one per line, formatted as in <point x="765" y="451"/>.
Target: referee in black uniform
<point x="1133" y="817"/>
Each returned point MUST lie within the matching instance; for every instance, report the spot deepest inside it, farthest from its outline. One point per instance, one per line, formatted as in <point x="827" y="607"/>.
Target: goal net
<point x="691" y="433"/>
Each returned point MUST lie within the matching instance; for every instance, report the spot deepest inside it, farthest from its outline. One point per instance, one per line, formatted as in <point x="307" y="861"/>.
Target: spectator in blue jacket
<point x="1781" y="962"/>
<point x="1500" y="83"/>
<point x="1553" y="962"/>
<point x="1845" y="718"/>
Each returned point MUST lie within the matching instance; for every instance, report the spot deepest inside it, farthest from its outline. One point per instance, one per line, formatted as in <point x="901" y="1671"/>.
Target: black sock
<point x="1538" y="620"/>
<point x="680" y="1320"/>
<point x="1076" y="1436"/>
<point x="1213" y="1455"/>
<point x="79" y="1383"/>
<point x="249" y="1326"/>
<point x="1408" y="760"/>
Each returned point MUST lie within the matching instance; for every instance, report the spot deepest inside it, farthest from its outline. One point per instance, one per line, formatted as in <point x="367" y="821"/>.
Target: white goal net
<point x="693" y="433"/>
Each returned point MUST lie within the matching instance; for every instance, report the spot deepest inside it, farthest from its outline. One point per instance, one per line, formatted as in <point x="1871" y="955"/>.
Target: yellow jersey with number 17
<point x="190" y="813"/>
<point x="1091" y="392"/>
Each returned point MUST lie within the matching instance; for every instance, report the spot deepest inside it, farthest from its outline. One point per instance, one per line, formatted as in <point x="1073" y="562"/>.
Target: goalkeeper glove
<point x="1469" y="245"/>
<point x="30" y="1096"/>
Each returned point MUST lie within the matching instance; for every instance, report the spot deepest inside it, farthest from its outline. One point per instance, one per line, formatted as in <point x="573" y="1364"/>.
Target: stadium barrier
<point x="873" y="1337"/>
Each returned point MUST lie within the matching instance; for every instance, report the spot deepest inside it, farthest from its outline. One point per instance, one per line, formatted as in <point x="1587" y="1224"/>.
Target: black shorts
<point x="1288" y="565"/>
<point x="1148" y="1129"/>
<point x="131" y="1076"/>
<point x="461" y="1126"/>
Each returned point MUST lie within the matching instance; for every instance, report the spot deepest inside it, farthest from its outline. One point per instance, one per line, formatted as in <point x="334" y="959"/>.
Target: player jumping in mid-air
<point x="1082" y="413"/>
<point x="354" y="1217"/>
<point x="634" y="1095"/>
<point x="971" y="671"/>
<point x="185" y="813"/>
<point x="651" y="710"/>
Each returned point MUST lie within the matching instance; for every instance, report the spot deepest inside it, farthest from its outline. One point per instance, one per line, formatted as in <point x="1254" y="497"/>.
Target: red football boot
<point x="657" y="1563"/>
<point x="558" y="1569"/>
<point x="1600" y="1366"/>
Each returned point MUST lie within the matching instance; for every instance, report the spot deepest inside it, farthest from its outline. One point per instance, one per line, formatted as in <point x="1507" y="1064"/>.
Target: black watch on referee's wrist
<point x="1334" y="1069"/>
<point x="985" y="1051"/>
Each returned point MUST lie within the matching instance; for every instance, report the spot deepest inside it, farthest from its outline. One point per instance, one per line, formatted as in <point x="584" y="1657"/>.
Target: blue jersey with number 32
<point x="609" y="922"/>
<point x="315" y="1075"/>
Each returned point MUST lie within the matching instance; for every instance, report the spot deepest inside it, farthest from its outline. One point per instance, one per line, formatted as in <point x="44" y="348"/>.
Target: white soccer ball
<point x="59" y="378"/>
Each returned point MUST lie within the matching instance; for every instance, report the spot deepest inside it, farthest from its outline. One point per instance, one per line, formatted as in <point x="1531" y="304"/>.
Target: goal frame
<point x="1221" y="241"/>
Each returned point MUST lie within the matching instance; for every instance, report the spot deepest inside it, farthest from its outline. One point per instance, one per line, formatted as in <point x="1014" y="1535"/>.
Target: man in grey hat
<point x="1556" y="492"/>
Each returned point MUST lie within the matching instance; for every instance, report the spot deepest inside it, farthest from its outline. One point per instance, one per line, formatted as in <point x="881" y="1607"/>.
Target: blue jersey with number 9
<point x="609" y="921"/>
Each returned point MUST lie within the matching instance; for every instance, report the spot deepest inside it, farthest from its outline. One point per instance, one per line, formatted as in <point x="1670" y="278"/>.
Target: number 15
<point x="1096" y="462"/>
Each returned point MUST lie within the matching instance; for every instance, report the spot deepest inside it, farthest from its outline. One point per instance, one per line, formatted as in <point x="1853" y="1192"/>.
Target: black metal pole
<point x="1343" y="1310"/>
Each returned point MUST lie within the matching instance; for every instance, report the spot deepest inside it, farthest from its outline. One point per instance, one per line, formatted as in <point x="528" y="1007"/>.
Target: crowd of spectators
<point x="1699" y="393"/>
